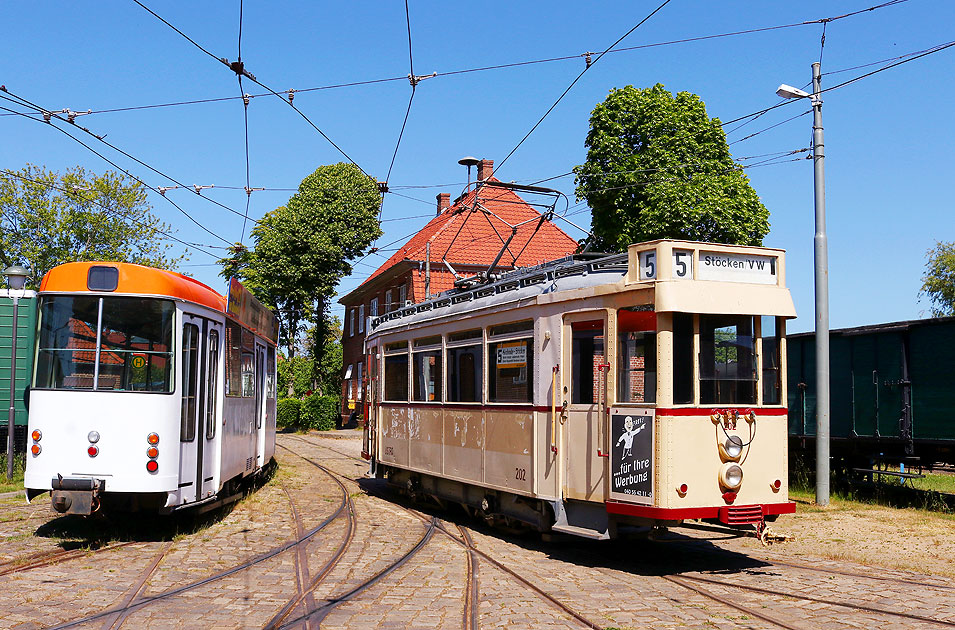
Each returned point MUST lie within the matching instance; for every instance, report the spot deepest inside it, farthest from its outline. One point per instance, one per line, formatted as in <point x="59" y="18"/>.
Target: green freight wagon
<point x="892" y="392"/>
<point x="26" y="335"/>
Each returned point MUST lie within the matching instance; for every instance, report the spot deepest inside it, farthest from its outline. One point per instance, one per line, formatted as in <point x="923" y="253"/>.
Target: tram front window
<point x="727" y="359"/>
<point x="133" y="337"/>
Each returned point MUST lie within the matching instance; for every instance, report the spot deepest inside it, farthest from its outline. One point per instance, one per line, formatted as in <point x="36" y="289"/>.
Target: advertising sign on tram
<point x="631" y="455"/>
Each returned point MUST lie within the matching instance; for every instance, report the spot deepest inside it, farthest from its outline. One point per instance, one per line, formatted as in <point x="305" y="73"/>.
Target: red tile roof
<point x="468" y="238"/>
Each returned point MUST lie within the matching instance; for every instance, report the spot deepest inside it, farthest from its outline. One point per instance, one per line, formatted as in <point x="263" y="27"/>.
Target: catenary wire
<point x="574" y="82"/>
<point x="252" y="78"/>
<point x="117" y="166"/>
<point x="25" y="103"/>
<point x="195" y="246"/>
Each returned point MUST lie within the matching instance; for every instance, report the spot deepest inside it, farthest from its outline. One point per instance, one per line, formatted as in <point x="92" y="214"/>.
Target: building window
<point x="402" y="295"/>
<point x="348" y="383"/>
<point x="389" y="306"/>
<point x="358" y="382"/>
<point x="361" y="318"/>
<point x="351" y="322"/>
<point x="373" y="307"/>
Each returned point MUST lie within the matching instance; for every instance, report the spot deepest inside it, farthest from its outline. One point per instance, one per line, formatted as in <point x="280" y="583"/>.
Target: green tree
<point x="47" y="219"/>
<point x="659" y="167"/>
<point x="302" y="250"/>
<point x="938" y="282"/>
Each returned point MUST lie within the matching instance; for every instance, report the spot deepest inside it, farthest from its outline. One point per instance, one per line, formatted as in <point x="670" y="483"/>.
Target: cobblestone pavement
<point x="175" y="573"/>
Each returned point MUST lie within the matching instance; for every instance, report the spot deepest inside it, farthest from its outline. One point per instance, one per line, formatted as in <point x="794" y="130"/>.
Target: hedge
<point x="321" y="412"/>
<point x="289" y="413"/>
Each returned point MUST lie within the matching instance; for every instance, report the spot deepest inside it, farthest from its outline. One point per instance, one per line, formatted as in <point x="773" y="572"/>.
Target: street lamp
<point x="822" y="284"/>
<point x="16" y="279"/>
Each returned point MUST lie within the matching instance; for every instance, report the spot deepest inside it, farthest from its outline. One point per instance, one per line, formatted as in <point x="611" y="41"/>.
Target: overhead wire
<point x="127" y="172"/>
<point x="44" y="113"/>
<point x="239" y="69"/>
<point x="574" y="82"/>
<point x="108" y="210"/>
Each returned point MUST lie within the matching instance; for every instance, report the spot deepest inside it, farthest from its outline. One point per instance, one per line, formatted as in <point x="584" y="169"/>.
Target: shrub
<point x="321" y="412"/>
<point x="289" y="414"/>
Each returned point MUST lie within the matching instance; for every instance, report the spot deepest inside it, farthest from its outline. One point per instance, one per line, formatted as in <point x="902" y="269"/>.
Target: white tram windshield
<point x="121" y="344"/>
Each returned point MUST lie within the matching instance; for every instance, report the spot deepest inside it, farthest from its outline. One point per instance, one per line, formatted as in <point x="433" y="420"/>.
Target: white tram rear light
<point x="731" y="476"/>
<point x="732" y="448"/>
<point x="93" y="437"/>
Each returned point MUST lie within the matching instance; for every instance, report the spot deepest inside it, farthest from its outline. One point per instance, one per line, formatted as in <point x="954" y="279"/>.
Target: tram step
<point x="584" y="532"/>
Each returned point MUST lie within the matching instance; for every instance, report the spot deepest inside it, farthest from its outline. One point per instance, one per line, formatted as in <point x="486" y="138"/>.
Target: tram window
<point x="270" y="373"/>
<point x="396" y="377"/>
<point x="465" y="378"/>
<point x="636" y="356"/>
<point x="515" y="327"/>
<point x="727" y="359"/>
<point x="771" y="328"/>
<point x="682" y="358"/>
<point x="464" y="335"/>
<point x="190" y="382"/>
<point x="67" y="342"/>
<point x="587" y="353"/>
<point x="248" y="375"/>
<point x="136" y="345"/>
<point x="233" y="359"/>
<point x="427" y="376"/>
<point x="511" y="371"/>
<point x="213" y="379"/>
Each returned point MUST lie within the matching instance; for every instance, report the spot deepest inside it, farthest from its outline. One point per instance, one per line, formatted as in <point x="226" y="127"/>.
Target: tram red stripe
<point x="706" y="411"/>
<point x="660" y="411"/>
<point x="680" y="514"/>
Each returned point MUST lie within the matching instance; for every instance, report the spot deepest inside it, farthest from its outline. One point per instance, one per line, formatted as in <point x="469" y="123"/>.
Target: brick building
<point x="469" y="241"/>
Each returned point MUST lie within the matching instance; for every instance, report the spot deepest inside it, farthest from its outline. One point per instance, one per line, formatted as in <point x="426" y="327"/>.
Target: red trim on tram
<point x="706" y="411"/>
<point x="681" y="514"/>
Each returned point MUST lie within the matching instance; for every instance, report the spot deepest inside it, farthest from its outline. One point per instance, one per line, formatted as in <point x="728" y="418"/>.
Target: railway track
<point x="55" y="556"/>
<point x="120" y="612"/>
<point x="696" y="584"/>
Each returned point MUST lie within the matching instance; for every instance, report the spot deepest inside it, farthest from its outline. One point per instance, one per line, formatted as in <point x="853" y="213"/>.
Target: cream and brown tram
<point x="592" y="395"/>
<point x="151" y="391"/>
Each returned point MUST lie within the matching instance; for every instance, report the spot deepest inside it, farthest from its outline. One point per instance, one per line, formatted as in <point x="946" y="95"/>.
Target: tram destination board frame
<point x="631" y="455"/>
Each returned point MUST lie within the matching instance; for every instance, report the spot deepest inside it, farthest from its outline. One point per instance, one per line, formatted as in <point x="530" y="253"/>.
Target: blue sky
<point x="887" y="137"/>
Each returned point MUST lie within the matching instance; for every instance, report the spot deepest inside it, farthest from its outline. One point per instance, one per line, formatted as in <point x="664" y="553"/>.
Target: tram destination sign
<point x="631" y="454"/>
<point x="750" y="268"/>
<point x="244" y="307"/>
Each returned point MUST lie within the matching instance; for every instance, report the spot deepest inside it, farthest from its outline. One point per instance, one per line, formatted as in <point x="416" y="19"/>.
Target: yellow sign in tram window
<point x="512" y="355"/>
<point x="139" y="361"/>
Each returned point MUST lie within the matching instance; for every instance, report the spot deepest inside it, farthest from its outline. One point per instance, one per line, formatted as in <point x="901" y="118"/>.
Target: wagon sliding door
<point x="584" y="432"/>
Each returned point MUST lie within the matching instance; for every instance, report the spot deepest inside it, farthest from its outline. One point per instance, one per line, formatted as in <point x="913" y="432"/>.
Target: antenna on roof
<point x="469" y="161"/>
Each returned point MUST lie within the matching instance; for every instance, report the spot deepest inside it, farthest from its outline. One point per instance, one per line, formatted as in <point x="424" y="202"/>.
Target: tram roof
<point x="133" y="280"/>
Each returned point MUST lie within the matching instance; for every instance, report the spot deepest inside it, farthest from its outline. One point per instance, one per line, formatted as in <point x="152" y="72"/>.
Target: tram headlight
<point x="732" y="448"/>
<point x="731" y="476"/>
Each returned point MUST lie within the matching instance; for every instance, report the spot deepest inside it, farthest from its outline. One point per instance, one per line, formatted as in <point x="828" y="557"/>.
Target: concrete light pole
<point x="821" y="252"/>
<point x="16" y="278"/>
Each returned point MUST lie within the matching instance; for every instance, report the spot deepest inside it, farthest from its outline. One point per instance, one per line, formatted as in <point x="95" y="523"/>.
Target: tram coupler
<point x="76" y="495"/>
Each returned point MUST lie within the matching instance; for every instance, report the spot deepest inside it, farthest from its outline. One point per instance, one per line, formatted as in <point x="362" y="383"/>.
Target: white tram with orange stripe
<point x="150" y="391"/>
<point x="591" y="395"/>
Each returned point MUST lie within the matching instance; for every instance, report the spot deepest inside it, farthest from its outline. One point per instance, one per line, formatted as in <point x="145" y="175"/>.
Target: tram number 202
<point x="520" y="474"/>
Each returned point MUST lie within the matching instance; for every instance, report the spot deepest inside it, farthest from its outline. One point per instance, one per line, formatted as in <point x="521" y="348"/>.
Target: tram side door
<point x="584" y="437"/>
<point x="260" y="404"/>
<point x="209" y="436"/>
<point x="196" y="450"/>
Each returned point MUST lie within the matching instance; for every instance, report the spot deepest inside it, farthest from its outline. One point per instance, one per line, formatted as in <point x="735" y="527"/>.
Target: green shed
<point x="26" y="340"/>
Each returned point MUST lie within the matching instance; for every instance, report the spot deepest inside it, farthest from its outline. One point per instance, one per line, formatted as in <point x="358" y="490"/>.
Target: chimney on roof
<point x="485" y="168"/>
<point x="444" y="201"/>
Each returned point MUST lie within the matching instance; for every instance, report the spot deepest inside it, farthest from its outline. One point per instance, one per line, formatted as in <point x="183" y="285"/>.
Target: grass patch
<point x="19" y="465"/>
